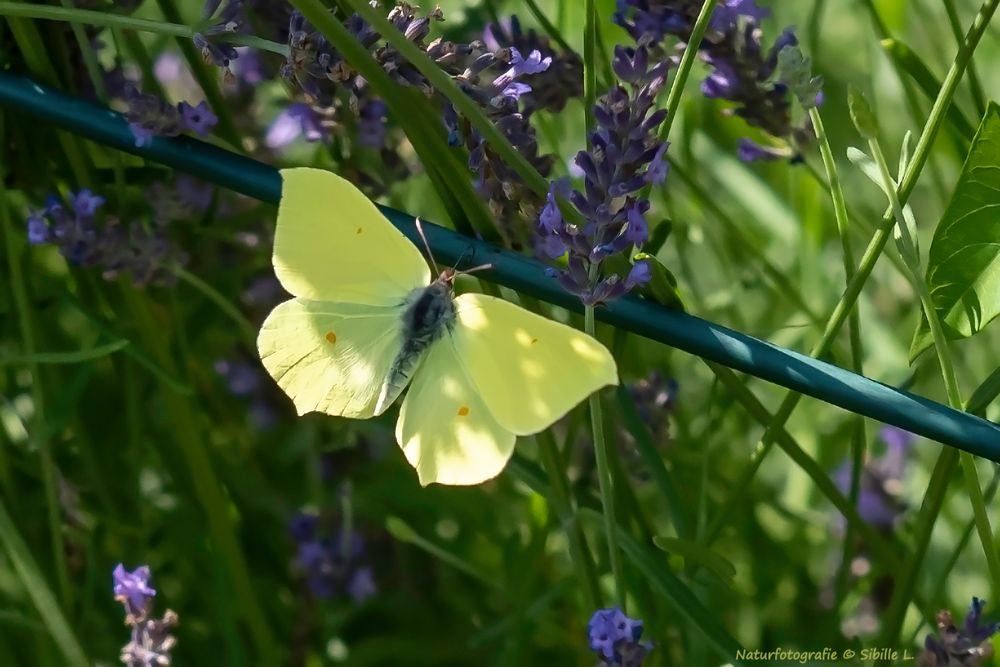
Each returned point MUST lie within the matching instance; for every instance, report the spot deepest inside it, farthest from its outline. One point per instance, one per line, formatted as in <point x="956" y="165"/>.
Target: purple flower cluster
<point x="331" y="561"/>
<point x="116" y="248"/>
<point x="624" y="157"/>
<point x="881" y="479"/>
<point x="149" y="116"/>
<point x="743" y="69"/>
<point x="615" y="638"/>
<point x="151" y="642"/>
<point x="494" y="78"/>
<point x="968" y="646"/>
<point x="551" y="87"/>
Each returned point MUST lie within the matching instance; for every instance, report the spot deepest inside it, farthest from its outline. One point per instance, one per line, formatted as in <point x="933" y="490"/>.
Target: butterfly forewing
<point x="331" y="242"/>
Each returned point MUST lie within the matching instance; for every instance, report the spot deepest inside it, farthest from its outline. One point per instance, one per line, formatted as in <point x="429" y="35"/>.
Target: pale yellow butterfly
<point x="366" y="318"/>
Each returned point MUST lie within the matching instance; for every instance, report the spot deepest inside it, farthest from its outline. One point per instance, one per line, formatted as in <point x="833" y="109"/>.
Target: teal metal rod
<point x="692" y="334"/>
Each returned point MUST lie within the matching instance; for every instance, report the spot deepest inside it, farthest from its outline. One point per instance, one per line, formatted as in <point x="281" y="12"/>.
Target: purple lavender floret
<point x="967" y="646"/>
<point x="132" y="589"/>
<point x="616" y="638"/>
<point x="331" y="564"/>
<point x="625" y="156"/>
<point x="744" y="71"/>
<point x="551" y="87"/>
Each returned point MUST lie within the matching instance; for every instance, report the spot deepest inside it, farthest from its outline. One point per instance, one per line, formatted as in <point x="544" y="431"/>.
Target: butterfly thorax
<point x="429" y="314"/>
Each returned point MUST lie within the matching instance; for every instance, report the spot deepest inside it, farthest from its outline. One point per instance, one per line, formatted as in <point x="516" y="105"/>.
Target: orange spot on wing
<point x="331" y="337"/>
<point x="534" y="340"/>
<point x="464" y="410"/>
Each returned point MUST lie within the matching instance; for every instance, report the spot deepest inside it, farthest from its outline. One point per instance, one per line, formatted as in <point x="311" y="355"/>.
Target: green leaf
<point x="697" y="554"/>
<point x="984" y="394"/>
<point x="861" y="113"/>
<point x="867" y="165"/>
<point x="963" y="267"/>
<point x="663" y="286"/>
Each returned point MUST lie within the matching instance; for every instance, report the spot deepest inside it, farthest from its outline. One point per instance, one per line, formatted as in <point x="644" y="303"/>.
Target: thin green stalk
<point x="403" y="532"/>
<point x="38" y="426"/>
<point x="854" y="329"/>
<point x="562" y="499"/>
<point x="905" y="581"/>
<point x="684" y="68"/>
<point x="921" y="153"/>
<point x="109" y="20"/>
<point x="551" y="30"/>
<point x="861" y="226"/>
<point x="247" y="329"/>
<point x="589" y="65"/>
<point x="603" y="469"/>
<point x="970" y="476"/>
<point x="975" y="85"/>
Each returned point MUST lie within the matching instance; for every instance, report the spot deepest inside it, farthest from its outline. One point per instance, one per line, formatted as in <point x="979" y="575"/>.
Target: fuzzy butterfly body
<point x="366" y="322"/>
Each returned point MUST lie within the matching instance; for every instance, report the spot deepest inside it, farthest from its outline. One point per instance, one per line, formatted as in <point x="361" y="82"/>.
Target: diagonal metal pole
<point x="694" y="335"/>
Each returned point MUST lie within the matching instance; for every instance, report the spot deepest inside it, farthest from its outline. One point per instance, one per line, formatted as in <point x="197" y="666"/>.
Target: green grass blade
<point x="39" y="592"/>
<point x="75" y="357"/>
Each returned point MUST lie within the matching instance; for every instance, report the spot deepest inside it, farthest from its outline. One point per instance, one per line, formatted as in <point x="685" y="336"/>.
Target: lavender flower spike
<point x="150" y="642"/>
<point x="625" y="156"/>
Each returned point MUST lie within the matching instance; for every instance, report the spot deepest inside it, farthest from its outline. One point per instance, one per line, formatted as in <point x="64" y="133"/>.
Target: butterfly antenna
<point x="427" y="247"/>
<point x="481" y="267"/>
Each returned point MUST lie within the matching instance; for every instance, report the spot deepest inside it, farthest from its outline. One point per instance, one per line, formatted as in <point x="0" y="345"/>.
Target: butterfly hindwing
<point x="445" y="429"/>
<point x="529" y="370"/>
<point x="330" y="357"/>
<point x="331" y="242"/>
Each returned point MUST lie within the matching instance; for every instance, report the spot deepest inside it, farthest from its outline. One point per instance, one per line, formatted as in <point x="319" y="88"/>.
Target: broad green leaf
<point x="963" y="266"/>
